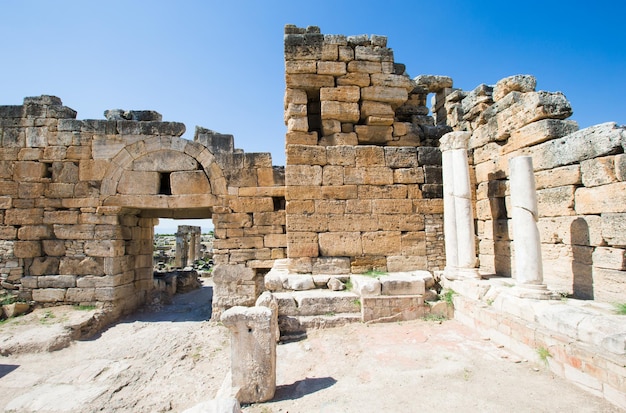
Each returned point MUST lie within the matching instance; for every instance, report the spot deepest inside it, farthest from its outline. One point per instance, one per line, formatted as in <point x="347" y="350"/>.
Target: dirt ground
<point x="171" y="358"/>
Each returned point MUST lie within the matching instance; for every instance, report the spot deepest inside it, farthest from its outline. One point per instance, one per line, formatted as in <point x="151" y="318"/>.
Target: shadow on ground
<point x="302" y="388"/>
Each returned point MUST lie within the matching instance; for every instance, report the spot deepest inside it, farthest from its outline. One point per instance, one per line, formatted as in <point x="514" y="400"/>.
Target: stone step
<point x="295" y="327"/>
<point x="317" y="302"/>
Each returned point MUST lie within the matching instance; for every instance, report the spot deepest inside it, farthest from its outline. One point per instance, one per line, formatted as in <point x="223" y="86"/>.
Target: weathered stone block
<point x="556" y="201"/>
<point x="342" y="111"/>
<point x="381" y="242"/>
<point x="601" y="199"/>
<point x="401" y="284"/>
<point x="614" y="229"/>
<point x="598" y="171"/>
<point x="306" y="155"/>
<point x="49" y="295"/>
<point x="303" y="175"/>
<point x="340" y="94"/>
<point x="27" y="249"/>
<point x="611" y="258"/>
<point x="253" y="352"/>
<point x="395" y="96"/>
<point x="340" y="244"/>
<point x="562" y="176"/>
<point x="189" y="182"/>
<point x="308" y="81"/>
<point x="139" y="183"/>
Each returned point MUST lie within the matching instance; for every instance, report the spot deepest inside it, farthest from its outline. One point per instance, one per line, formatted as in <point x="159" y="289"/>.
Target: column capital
<point x="454" y="140"/>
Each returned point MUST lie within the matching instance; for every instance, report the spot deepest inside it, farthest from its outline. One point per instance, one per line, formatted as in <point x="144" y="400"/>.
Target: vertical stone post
<point x="180" y="260"/>
<point x="457" y="207"/>
<point x="528" y="262"/>
<point x="253" y="352"/>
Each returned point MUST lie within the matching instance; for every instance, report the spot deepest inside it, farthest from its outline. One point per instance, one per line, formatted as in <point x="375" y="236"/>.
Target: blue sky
<point x="219" y="64"/>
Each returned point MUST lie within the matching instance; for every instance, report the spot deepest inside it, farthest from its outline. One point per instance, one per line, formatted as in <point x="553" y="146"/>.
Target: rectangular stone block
<point x="302" y="244"/>
<point x="307" y="223"/>
<point x="303" y="175"/>
<point x="601" y="199"/>
<point x="27" y="216"/>
<point x="354" y="79"/>
<point x="257" y="204"/>
<point x="308" y="81"/>
<point x="49" y="295"/>
<point x="339" y="192"/>
<point x="611" y="258"/>
<point x="60" y="217"/>
<point x="27" y="249"/>
<point x="556" y="201"/>
<point x="392" y="95"/>
<point x="614" y="229"/>
<point x="381" y="243"/>
<point x="340" y="94"/>
<point x="564" y="175"/>
<point x="304" y="192"/>
<point x="105" y="248"/>
<point x="352" y="223"/>
<point x="367" y="134"/>
<point x="609" y="285"/>
<point x="301" y="138"/>
<point x="306" y="155"/>
<point x="330" y="206"/>
<point x="341" y="155"/>
<point x="382" y="191"/>
<point x="189" y="182"/>
<point x="341" y="111"/>
<point x="364" y="67"/>
<point x="300" y="66"/>
<point x="393" y="222"/>
<point x="538" y="132"/>
<point x="340" y="244"/>
<point x="401" y="284"/>
<point x="598" y="171"/>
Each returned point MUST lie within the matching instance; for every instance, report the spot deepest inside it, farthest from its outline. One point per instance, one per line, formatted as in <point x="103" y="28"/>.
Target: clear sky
<point x="219" y="64"/>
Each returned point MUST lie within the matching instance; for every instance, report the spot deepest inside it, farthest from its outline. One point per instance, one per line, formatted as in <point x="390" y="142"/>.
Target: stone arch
<point x="146" y="159"/>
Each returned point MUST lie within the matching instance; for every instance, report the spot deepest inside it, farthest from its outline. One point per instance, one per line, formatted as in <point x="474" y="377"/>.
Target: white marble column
<point x="527" y="243"/>
<point x="457" y="204"/>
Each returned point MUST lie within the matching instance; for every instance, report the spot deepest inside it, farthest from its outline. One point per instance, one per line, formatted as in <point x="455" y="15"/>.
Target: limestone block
<point x="48" y="295"/>
<point x="413" y="243"/>
<point x="392" y="206"/>
<point x="366" y="286"/>
<point x="252" y="204"/>
<point x="57" y="281"/>
<point x="574" y="230"/>
<point x="592" y="142"/>
<point x="392" y="80"/>
<point x="401" y="284"/>
<point x="81" y="266"/>
<point x="306" y="155"/>
<point x="598" y="171"/>
<point x="105" y="248"/>
<point x="78" y="231"/>
<point x="34" y="232"/>
<point x="138" y="183"/>
<point x="275" y="240"/>
<point x="370" y="156"/>
<point x="80" y="295"/>
<point x="371" y="108"/>
<point x="382" y="192"/>
<point x="304" y="192"/>
<point x="340" y="94"/>
<point x="395" y="96"/>
<point x="333" y="175"/>
<point x="165" y="161"/>
<point x="365" y="67"/>
<point x="53" y="248"/>
<point x="298" y="282"/>
<point x="433" y="83"/>
<point x="537" y="132"/>
<point x="330" y="206"/>
<point x="609" y="285"/>
<point x="29" y="171"/>
<point x="398" y="263"/>
<point x="556" y="201"/>
<point x="519" y="83"/>
<point x="360" y="79"/>
<point x="408" y="176"/>
<point x="253" y="352"/>
<point x="342" y="111"/>
<point x="399" y="222"/>
<point x="299" y="249"/>
<point x="339" y="192"/>
<point x="367" y="134"/>
<point x="114" y="293"/>
<point x="401" y="157"/>
<point x="352" y="223"/>
<point x="564" y="175"/>
<point x="15" y="309"/>
<point x="336" y="139"/>
<point x="614" y="229"/>
<point x="330" y="126"/>
<point x="338" y="244"/>
<point x="297" y="96"/>
<point x="341" y="155"/>
<point x="43" y="266"/>
<point x="299" y="124"/>
<point x="303" y="175"/>
<point x="620" y="167"/>
<point x="381" y="242"/>
<point x="331" y="265"/>
<point x="300" y="66"/>
<point x="601" y="199"/>
<point x="309" y="81"/>
<point x="611" y="258"/>
<point x="27" y="249"/>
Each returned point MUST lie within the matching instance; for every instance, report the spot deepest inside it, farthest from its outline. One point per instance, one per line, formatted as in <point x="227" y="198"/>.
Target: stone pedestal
<point x="528" y="262"/>
<point x="458" y="218"/>
<point x="253" y="352"/>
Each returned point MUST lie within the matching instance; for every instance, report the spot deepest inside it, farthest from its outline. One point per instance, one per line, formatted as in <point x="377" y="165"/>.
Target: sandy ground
<point x="171" y="358"/>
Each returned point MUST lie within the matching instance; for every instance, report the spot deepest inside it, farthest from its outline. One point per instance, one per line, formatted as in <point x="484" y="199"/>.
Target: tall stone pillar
<point x="458" y="215"/>
<point x="253" y="352"/>
<point x="181" y="249"/>
<point x="528" y="261"/>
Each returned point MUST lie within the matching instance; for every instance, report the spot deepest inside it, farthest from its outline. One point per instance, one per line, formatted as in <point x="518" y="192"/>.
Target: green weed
<point x="434" y="317"/>
<point x="543" y="354"/>
<point x="620" y="308"/>
<point x="447" y="296"/>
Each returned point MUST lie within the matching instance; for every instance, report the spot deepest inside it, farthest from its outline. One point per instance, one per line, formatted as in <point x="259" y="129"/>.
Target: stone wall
<point x="363" y="177"/>
<point x="580" y="180"/>
<point x="79" y="200"/>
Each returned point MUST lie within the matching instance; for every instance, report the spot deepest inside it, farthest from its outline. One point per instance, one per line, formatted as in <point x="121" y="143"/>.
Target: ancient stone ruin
<point x="376" y="163"/>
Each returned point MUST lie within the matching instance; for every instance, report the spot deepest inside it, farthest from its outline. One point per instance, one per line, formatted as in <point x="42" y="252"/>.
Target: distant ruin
<point x="361" y="192"/>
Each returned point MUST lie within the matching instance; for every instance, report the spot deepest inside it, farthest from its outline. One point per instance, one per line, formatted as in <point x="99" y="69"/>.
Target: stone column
<point x="180" y="250"/>
<point x="253" y="352"/>
<point x="527" y="243"/>
<point x="457" y="206"/>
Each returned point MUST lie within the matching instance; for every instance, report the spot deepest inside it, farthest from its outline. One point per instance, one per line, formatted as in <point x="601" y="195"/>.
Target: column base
<point x="533" y="291"/>
<point x="453" y="273"/>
